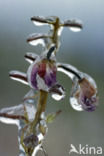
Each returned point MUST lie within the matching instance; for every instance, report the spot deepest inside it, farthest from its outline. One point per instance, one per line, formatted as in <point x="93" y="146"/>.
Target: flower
<point x="41" y="78"/>
<point x="22" y="116"/>
<point x="41" y="74"/>
<point x="84" y="89"/>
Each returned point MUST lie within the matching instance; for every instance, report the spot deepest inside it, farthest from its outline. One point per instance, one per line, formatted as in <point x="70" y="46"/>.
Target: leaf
<point x="52" y="116"/>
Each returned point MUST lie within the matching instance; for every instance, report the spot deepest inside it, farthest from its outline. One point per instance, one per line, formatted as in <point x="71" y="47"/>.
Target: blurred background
<point x="84" y="50"/>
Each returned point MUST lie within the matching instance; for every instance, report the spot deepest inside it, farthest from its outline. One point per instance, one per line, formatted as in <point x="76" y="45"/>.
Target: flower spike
<point x="42" y="80"/>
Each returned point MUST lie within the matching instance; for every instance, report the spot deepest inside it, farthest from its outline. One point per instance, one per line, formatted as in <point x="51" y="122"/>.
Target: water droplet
<point x="18" y="76"/>
<point x="51" y="19"/>
<point x="31" y="57"/>
<point x="39" y="23"/>
<point x="36" y="149"/>
<point x="75" y="105"/>
<point x="31" y="111"/>
<point x="60" y="31"/>
<point x="36" y="39"/>
<point x="22" y="154"/>
<point x="57" y="97"/>
<point x="40" y="137"/>
<point x="69" y="70"/>
<point x="40" y="20"/>
<point x="75" y="29"/>
<point x="84" y="93"/>
<point x="74" y="25"/>
<point x="9" y="121"/>
<point x="57" y="92"/>
<point x="31" y="97"/>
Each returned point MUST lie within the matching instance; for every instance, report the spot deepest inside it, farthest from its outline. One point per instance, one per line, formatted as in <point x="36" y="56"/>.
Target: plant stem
<point x="55" y="33"/>
<point x="40" y="108"/>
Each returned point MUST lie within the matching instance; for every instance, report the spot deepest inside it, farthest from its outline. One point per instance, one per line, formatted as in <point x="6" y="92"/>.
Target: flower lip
<point x="89" y="104"/>
<point x="87" y="87"/>
<point x="84" y="94"/>
<point x="88" y="95"/>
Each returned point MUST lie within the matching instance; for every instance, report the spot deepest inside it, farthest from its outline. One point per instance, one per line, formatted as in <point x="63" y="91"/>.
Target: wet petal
<point x="36" y="38"/>
<point x="31" y="74"/>
<point x="74" y="25"/>
<point x="31" y="57"/>
<point x="84" y="90"/>
<point x="31" y="97"/>
<point x="50" y="79"/>
<point x="18" y="76"/>
<point x="57" y="92"/>
<point x="84" y="94"/>
<point x="42" y="74"/>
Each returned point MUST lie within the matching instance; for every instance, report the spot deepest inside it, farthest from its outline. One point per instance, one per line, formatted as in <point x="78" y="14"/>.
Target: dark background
<point x="85" y="50"/>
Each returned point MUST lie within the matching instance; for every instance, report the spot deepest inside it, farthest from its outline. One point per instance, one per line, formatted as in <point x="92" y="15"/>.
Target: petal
<point x="31" y="74"/>
<point x="84" y="90"/>
<point x="18" y="76"/>
<point x="50" y="79"/>
<point x="57" y="92"/>
<point x="74" y="25"/>
<point x="84" y="94"/>
<point x="31" y="57"/>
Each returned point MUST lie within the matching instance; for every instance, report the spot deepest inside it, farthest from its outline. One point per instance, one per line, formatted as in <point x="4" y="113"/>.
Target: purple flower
<point x="84" y="89"/>
<point x="42" y="74"/>
<point x="86" y="95"/>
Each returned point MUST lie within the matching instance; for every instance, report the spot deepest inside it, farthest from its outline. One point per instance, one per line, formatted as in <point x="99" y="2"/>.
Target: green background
<point x="85" y="50"/>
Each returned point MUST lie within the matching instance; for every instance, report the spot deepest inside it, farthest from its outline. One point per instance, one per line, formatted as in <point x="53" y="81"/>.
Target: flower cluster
<point x="41" y="78"/>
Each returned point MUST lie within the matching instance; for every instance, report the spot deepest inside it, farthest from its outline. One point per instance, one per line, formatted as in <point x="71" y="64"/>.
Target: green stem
<point x="40" y="108"/>
<point x="55" y="32"/>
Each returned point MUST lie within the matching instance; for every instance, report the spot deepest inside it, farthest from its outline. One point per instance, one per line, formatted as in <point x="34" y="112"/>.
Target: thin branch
<point x="18" y="117"/>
